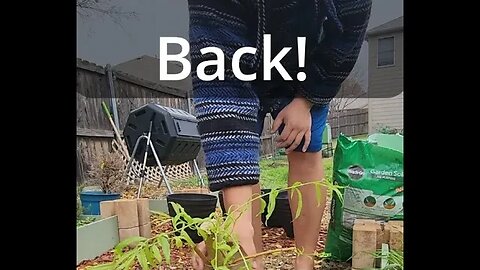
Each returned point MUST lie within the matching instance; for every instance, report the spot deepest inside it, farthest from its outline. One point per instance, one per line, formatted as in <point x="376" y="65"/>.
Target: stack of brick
<point x="145" y="227"/>
<point x="133" y="216"/>
<point x="368" y="237"/>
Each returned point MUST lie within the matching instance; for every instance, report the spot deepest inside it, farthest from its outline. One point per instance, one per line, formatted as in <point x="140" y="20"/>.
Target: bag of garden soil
<point x="373" y="179"/>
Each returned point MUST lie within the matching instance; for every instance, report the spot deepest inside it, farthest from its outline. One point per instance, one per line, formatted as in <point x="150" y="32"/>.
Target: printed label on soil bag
<point x="356" y="173"/>
<point x="387" y="175"/>
<point x="361" y="203"/>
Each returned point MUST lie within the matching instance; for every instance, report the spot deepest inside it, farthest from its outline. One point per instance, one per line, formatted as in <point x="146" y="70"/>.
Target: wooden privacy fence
<point x="123" y="93"/>
<point x="349" y="122"/>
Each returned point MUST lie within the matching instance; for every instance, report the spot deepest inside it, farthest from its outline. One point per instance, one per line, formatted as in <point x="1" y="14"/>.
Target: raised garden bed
<point x="96" y="238"/>
<point x="273" y="238"/>
<point x="101" y="235"/>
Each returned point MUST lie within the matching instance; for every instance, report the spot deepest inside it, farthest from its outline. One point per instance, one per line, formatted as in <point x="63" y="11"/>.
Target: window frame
<point x="378" y="52"/>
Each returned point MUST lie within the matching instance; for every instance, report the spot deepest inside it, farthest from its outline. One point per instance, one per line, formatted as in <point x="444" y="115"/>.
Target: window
<point x="386" y="52"/>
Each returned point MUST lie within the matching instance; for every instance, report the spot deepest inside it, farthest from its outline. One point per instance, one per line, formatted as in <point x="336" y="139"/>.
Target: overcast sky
<point x="101" y="41"/>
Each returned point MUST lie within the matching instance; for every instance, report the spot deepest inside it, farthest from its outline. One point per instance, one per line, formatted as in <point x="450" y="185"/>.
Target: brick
<point x="126" y="210"/>
<point x="396" y="223"/>
<point x="127" y="233"/>
<point x="143" y="211"/>
<point x="361" y="221"/>
<point x="396" y="238"/>
<point x="146" y="230"/>
<point x="107" y="209"/>
<point x="364" y="245"/>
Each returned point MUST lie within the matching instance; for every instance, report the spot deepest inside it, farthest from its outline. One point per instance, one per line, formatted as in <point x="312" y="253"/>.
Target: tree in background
<point x="350" y="91"/>
<point x="103" y="8"/>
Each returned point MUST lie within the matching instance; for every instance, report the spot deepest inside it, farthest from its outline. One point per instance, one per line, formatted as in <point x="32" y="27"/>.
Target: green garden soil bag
<point x="373" y="179"/>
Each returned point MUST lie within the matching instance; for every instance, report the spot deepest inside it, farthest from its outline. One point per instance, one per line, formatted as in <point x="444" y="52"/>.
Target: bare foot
<point x="304" y="262"/>
<point x="258" y="263"/>
<point x="197" y="262"/>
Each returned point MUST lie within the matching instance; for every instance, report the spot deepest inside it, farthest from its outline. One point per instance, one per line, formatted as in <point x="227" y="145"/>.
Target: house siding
<point x="385" y="86"/>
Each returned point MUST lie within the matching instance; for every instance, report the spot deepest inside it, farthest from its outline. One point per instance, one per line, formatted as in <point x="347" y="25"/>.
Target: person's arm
<point x="335" y="57"/>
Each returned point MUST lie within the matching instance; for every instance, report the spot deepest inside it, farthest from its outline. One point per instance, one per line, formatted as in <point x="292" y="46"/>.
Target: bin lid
<point x="392" y="141"/>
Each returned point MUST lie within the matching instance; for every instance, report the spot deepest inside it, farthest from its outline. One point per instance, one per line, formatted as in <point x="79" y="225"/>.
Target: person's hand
<point x="298" y="122"/>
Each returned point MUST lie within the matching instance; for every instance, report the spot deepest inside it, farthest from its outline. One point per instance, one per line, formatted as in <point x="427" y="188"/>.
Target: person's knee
<point x="308" y="163"/>
<point x="304" y="158"/>
<point x="245" y="231"/>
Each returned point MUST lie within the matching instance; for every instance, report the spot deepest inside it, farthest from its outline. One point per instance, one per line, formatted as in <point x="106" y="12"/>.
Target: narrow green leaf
<point x="202" y="233"/>
<point x="318" y="193"/>
<point x="229" y="220"/>
<point x="197" y="220"/>
<point x="187" y="217"/>
<point x="180" y="223"/>
<point x="178" y="213"/>
<point x="106" y="266"/>
<point x="323" y="255"/>
<point x="263" y="204"/>
<point x="271" y="203"/>
<point x="142" y="260"/>
<point x="232" y="252"/>
<point x="175" y="221"/>
<point x="156" y="253"/>
<point x="178" y="242"/>
<point x="127" y="264"/>
<point x="297" y="184"/>
<point x="176" y="207"/>
<point x="165" y="248"/>
<point x="123" y="257"/>
<point x="299" y="204"/>
<point x="149" y="255"/>
<point x="119" y="248"/>
<point x="224" y="246"/>
<point x="187" y="238"/>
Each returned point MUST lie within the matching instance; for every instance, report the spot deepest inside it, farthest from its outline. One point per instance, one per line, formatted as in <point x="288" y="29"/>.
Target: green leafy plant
<point x="79" y="203"/>
<point x="223" y="249"/>
<point x="389" y="130"/>
<point x="394" y="259"/>
<point x="79" y="208"/>
<point x="84" y="221"/>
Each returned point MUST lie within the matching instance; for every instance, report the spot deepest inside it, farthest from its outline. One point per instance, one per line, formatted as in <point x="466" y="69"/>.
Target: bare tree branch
<point x="102" y="8"/>
<point x="350" y="91"/>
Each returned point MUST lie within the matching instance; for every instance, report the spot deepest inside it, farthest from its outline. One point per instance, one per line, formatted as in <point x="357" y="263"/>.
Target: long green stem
<point x="282" y="189"/>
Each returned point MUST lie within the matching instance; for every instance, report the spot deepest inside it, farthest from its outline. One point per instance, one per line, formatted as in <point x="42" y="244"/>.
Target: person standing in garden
<point x="231" y="111"/>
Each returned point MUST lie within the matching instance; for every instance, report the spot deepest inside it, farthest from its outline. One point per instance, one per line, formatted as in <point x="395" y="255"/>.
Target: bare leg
<point x="306" y="167"/>
<point x="234" y="197"/>
<point x="257" y="225"/>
